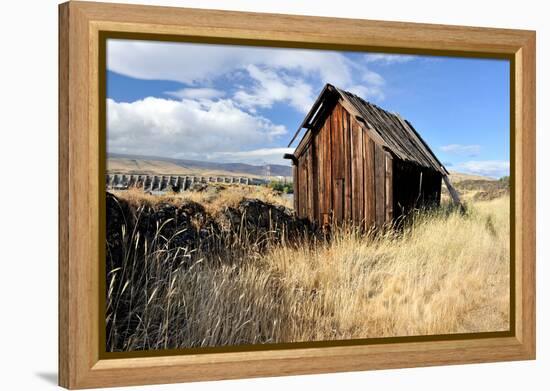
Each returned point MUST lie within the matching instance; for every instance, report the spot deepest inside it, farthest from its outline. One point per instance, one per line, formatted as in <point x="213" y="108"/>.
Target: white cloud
<point x="490" y="168"/>
<point x="194" y="64"/>
<point x="196" y="93"/>
<point x="329" y="67"/>
<point x="214" y="123"/>
<point x="270" y="87"/>
<point x="461" y="149"/>
<point x="373" y="78"/>
<point x="186" y="63"/>
<point x="190" y="63"/>
<point x="185" y="128"/>
<point x="258" y="156"/>
<point x="388" y="59"/>
<point x="371" y="86"/>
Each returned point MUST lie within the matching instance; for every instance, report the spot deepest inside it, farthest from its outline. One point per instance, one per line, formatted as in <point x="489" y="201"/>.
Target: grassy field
<point x="445" y="272"/>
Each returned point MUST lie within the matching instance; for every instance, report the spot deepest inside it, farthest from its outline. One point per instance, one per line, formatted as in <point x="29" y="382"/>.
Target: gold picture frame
<point x="83" y="30"/>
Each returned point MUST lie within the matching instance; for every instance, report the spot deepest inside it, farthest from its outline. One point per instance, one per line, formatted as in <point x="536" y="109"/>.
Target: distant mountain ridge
<point x="197" y="165"/>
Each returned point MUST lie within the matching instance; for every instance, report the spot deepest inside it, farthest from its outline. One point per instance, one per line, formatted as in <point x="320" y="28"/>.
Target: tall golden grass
<point x="444" y="272"/>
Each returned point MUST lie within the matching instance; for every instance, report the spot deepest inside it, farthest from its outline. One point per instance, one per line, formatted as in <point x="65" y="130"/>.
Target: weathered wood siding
<point x="343" y="175"/>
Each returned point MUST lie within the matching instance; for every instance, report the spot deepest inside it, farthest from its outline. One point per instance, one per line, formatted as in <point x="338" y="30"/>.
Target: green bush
<point x="283" y="187"/>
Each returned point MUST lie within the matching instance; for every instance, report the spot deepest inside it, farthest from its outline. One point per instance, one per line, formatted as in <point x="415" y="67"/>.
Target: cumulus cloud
<point x="372" y="78"/>
<point x="370" y="86"/>
<point x="388" y="59"/>
<point x="214" y="116"/>
<point x="155" y="126"/>
<point x="490" y="168"/>
<point x="461" y="149"/>
<point x="186" y="63"/>
<point x="196" y="93"/>
<point x="270" y="87"/>
<point x="278" y="74"/>
<point x="190" y="63"/>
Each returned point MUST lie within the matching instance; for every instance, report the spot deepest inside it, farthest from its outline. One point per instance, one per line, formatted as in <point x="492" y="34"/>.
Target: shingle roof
<point x="393" y="132"/>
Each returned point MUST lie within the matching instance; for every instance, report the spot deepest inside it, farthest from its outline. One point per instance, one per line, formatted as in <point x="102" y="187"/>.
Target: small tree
<point x="286" y="188"/>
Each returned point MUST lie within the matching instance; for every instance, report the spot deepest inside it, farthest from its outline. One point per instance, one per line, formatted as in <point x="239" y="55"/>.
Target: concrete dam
<point x="177" y="183"/>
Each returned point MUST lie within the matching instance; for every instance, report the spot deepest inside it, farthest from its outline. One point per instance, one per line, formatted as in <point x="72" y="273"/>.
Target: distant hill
<point x="460" y="177"/>
<point x="130" y="164"/>
<point x="478" y="188"/>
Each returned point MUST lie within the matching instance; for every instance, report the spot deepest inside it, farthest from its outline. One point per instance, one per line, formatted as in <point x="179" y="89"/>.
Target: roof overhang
<point x="318" y="108"/>
<point x="292" y="157"/>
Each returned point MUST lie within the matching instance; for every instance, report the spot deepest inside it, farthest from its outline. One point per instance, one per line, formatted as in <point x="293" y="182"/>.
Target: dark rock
<point x="261" y="218"/>
<point x="186" y="225"/>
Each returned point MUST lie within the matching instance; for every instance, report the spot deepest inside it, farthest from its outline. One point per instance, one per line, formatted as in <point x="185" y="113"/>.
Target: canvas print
<point x="263" y="195"/>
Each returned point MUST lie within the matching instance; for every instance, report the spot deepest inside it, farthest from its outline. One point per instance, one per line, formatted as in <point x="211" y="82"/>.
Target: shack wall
<point x="343" y="175"/>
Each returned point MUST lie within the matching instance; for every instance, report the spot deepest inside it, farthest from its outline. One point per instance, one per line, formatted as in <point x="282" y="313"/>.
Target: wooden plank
<point x="65" y="353"/>
<point x="320" y="141"/>
<point x="321" y="168"/>
<point x="299" y="187"/>
<point x="304" y="143"/>
<point x="306" y="186"/>
<point x="353" y="113"/>
<point x="337" y="159"/>
<point x="315" y="177"/>
<point x="360" y="176"/>
<point x="324" y="171"/>
<point x="346" y="129"/>
<point x="380" y="185"/>
<point x="81" y="213"/>
<point x="303" y="186"/>
<point x="357" y="172"/>
<point x="337" y="142"/>
<point x="327" y="174"/>
<point x="389" y="188"/>
<point x="370" y="193"/>
<point x="338" y="203"/>
<point x="295" y="185"/>
<point x="452" y="191"/>
<point x="310" y="181"/>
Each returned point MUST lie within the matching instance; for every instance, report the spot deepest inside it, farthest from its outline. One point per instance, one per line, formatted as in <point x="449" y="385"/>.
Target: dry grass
<point x="214" y="199"/>
<point x="444" y="273"/>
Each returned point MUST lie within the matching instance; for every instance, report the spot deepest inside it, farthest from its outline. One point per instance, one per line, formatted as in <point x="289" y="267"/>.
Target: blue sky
<point x="243" y="104"/>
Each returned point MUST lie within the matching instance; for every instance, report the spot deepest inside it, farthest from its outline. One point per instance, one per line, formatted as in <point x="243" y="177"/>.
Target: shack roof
<point x="392" y="132"/>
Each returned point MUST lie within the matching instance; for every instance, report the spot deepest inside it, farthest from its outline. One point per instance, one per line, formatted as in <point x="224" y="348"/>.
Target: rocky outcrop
<point x="189" y="226"/>
<point x="129" y="228"/>
<point x="262" y="218"/>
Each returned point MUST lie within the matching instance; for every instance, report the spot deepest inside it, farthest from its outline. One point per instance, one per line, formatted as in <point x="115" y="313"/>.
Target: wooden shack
<point x="359" y="163"/>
